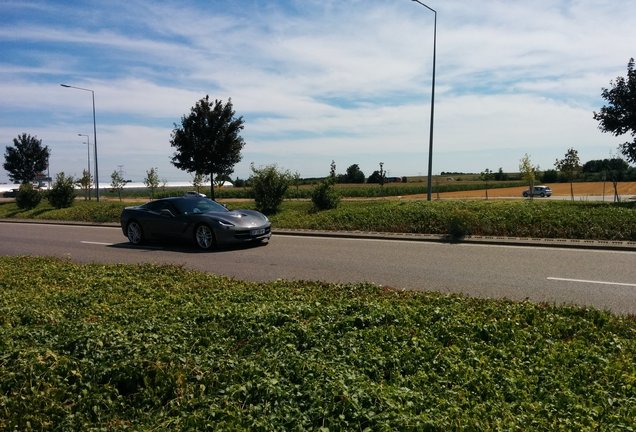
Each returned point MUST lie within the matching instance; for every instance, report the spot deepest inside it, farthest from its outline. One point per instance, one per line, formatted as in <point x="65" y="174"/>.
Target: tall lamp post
<point x="430" y="139"/>
<point x="88" y="158"/>
<point x="94" y="136"/>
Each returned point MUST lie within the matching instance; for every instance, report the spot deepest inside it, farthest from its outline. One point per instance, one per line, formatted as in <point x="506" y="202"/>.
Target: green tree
<point x="570" y="166"/>
<point x="269" y="185"/>
<point x="332" y="172"/>
<point x="616" y="168"/>
<point x="62" y="193"/>
<point x="603" y="165"/>
<point x="85" y="184"/>
<point x="198" y="180"/>
<point x="152" y="181"/>
<point x="208" y="141"/>
<point x="528" y="171"/>
<point x="500" y="175"/>
<point x="619" y="115"/>
<point x="550" y="176"/>
<point x="486" y="176"/>
<point x="382" y="175"/>
<point x="378" y="176"/>
<point x="26" y="158"/>
<point x="295" y="181"/>
<point x="354" y="174"/>
<point x="117" y="182"/>
<point x="374" y="177"/>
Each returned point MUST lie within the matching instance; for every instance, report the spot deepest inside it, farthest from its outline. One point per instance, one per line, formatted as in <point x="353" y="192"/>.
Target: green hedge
<point x="519" y="218"/>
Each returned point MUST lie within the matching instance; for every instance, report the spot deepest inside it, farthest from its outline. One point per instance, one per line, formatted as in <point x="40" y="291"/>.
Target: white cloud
<point x="317" y="80"/>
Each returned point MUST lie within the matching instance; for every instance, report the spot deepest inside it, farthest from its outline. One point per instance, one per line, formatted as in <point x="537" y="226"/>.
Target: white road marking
<point x="97" y="243"/>
<point x="592" y="282"/>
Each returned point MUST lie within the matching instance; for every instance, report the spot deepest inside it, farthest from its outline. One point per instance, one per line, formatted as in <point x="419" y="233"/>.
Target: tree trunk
<point x="212" y="186"/>
<point x="571" y="190"/>
<point x="617" y="197"/>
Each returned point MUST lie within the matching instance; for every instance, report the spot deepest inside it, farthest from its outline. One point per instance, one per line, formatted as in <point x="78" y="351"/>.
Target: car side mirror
<point x="166" y="213"/>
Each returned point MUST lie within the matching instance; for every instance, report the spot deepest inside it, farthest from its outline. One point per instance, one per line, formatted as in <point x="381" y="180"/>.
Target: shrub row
<point x="547" y="219"/>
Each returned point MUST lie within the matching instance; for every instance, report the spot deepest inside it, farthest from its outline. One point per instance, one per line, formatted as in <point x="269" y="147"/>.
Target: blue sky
<point x="315" y="80"/>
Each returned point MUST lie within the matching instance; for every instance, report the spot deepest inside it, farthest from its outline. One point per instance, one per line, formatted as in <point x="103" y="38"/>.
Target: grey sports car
<point x="193" y="218"/>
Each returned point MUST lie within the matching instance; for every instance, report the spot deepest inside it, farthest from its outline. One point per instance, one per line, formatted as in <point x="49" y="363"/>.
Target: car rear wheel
<point x="204" y="237"/>
<point x="134" y="233"/>
<point x="542" y="195"/>
<point x="525" y="194"/>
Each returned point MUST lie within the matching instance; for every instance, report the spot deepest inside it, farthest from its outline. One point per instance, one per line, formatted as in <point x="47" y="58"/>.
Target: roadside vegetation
<point x="144" y="347"/>
<point x="528" y="218"/>
<point x="304" y="191"/>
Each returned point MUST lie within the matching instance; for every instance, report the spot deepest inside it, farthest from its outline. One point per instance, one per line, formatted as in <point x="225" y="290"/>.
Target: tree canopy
<point x="152" y="181"/>
<point x="353" y="175"/>
<point x="528" y="171"/>
<point x="208" y="141"/>
<point x="602" y="165"/>
<point x="26" y="158"/>
<point x="117" y="182"/>
<point x="570" y="166"/>
<point x="619" y="115"/>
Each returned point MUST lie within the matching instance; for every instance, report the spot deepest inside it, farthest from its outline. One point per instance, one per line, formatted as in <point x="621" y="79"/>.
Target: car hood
<point x="242" y="218"/>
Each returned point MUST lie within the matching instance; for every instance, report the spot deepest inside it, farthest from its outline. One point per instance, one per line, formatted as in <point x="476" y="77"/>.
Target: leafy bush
<point x="460" y="224"/>
<point x="62" y="192"/>
<point x="269" y="186"/>
<point x="27" y="197"/>
<point x="324" y="196"/>
<point x="145" y="347"/>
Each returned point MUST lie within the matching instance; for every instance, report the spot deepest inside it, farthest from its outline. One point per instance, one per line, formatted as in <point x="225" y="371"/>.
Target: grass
<point x="548" y="219"/>
<point x="117" y="347"/>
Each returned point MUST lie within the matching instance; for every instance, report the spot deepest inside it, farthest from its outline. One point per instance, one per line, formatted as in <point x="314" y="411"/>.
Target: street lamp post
<point x="430" y="139"/>
<point x="88" y="158"/>
<point x="94" y="136"/>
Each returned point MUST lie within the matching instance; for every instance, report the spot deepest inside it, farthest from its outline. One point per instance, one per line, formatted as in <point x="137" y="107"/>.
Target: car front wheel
<point x="204" y="237"/>
<point x="134" y="233"/>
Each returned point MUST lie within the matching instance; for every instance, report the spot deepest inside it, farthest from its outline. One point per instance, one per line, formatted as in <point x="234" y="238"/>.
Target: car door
<point x="164" y="220"/>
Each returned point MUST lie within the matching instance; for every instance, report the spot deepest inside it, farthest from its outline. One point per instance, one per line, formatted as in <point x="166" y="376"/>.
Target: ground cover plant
<point x="519" y="218"/>
<point x="114" y="347"/>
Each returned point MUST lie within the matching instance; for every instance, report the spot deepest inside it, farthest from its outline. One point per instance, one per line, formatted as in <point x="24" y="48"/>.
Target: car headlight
<point x="225" y="224"/>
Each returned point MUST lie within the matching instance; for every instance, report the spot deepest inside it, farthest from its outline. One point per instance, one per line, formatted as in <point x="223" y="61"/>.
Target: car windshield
<point x="199" y="205"/>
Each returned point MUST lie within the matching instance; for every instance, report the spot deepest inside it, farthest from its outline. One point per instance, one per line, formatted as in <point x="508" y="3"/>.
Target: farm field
<point x="581" y="190"/>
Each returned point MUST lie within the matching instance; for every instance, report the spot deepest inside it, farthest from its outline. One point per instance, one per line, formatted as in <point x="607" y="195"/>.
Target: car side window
<point x="153" y="206"/>
<point x="157" y="206"/>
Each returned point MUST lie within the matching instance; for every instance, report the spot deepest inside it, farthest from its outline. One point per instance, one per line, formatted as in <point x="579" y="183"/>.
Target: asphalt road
<point x="603" y="279"/>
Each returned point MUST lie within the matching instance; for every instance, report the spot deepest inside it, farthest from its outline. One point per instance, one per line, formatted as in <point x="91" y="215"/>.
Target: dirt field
<point x="558" y="189"/>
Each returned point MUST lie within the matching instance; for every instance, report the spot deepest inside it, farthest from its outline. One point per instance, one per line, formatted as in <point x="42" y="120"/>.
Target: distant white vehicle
<point x="542" y="191"/>
<point x="194" y="193"/>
